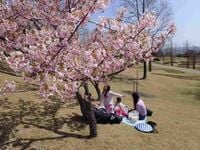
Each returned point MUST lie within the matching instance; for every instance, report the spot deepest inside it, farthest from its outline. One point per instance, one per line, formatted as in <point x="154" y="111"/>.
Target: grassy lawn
<point x="32" y="123"/>
<point x="180" y="62"/>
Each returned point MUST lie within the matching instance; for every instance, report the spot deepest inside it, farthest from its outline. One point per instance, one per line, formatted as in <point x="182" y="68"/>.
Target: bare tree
<point x="194" y="56"/>
<point x="162" y="11"/>
<point x="163" y="56"/>
<point x="188" y="54"/>
<point x="171" y="52"/>
<point x="194" y="60"/>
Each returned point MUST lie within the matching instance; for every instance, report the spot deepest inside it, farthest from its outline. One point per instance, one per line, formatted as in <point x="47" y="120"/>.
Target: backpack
<point x="103" y="117"/>
<point x="149" y="112"/>
<point x="114" y="119"/>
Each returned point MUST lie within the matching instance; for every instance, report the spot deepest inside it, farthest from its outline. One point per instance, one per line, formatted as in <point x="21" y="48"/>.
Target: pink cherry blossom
<point x="9" y="86"/>
<point x="44" y="44"/>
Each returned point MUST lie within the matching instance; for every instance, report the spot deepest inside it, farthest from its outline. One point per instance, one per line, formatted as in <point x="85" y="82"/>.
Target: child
<point x="119" y="108"/>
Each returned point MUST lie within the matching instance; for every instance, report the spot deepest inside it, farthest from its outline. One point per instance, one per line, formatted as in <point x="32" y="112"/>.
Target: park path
<point x="186" y="70"/>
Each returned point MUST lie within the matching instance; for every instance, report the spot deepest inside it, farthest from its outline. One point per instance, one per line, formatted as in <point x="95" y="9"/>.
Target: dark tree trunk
<point x="150" y="66"/>
<point x="145" y="63"/>
<point x="172" y="64"/>
<point x="188" y="56"/>
<point x="194" y="61"/>
<point x="163" y="59"/>
<point x="171" y="54"/>
<point x="144" y="70"/>
<point x="188" y="61"/>
<point x="88" y="113"/>
<point x="98" y="91"/>
<point x="171" y="58"/>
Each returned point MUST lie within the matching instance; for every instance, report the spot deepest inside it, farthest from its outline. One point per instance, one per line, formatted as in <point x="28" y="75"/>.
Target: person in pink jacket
<point x="107" y="99"/>
<point x="120" y="109"/>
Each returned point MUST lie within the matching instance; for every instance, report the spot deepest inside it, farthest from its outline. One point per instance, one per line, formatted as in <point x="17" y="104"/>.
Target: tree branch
<point x="75" y="30"/>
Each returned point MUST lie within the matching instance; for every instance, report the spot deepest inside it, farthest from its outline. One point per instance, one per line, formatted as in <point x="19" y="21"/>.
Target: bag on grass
<point x="103" y="117"/>
<point x="149" y="112"/>
<point x="133" y="116"/>
<point x="114" y="119"/>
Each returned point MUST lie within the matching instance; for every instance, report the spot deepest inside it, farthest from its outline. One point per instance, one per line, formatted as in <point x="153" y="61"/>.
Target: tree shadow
<point x="142" y="94"/>
<point x="38" y="115"/>
<point x="25" y="87"/>
<point x="196" y="78"/>
<point x="195" y="92"/>
<point x="4" y="68"/>
<point x="123" y="78"/>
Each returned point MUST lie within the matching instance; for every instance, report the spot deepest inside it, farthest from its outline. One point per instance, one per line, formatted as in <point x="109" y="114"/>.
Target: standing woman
<point x="139" y="106"/>
<point x="107" y="99"/>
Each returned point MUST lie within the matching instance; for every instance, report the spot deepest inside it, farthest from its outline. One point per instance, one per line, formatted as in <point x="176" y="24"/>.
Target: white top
<point x="107" y="100"/>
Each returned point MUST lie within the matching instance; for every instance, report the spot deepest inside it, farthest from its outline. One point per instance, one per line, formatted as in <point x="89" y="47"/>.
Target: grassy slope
<point x="181" y="62"/>
<point x="175" y="102"/>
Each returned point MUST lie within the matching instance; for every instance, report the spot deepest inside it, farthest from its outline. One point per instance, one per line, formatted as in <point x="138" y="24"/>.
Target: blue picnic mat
<point x="128" y="122"/>
<point x="144" y="127"/>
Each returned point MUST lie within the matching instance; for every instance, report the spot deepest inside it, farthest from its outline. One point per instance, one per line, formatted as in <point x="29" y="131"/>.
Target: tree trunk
<point x="88" y="113"/>
<point x="171" y="54"/>
<point x="163" y="58"/>
<point x="194" y="61"/>
<point x="96" y="85"/>
<point x="172" y="64"/>
<point x="188" y="61"/>
<point x="150" y="66"/>
<point x="98" y="91"/>
<point x="188" y="56"/>
<point x="145" y="70"/>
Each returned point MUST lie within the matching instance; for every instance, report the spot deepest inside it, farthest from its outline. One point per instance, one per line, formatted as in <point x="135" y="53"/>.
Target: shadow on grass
<point x="41" y="116"/>
<point x="195" y="92"/>
<point x="142" y="94"/>
<point x="196" y="78"/>
<point x="4" y="68"/>
<point x="171" y="71"/>
<point x="25" y="87"/>
<point x="174" y="71"/>
<point x="123" y="78"/>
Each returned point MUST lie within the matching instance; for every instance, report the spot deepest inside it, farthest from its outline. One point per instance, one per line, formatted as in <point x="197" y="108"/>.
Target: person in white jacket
<point x="107" y="99"/>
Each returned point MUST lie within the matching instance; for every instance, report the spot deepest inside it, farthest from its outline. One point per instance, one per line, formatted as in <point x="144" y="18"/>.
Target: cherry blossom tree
<point x="43" y="43"/>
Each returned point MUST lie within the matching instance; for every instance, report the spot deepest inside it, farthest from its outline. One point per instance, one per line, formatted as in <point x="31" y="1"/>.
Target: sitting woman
<point x="139" y="106"/>
<point x="120" y="109"/>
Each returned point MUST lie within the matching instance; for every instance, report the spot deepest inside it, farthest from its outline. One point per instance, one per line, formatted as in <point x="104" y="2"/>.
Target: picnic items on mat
<point x="133" y="116"/>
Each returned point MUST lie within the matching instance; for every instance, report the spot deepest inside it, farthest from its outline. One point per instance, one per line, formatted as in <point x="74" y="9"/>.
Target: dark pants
<point x="142" y="117"/>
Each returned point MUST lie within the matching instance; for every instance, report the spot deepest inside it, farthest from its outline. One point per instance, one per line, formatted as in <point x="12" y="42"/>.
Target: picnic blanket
<point x="141" y="125"/>
<point x="128" y="122"/>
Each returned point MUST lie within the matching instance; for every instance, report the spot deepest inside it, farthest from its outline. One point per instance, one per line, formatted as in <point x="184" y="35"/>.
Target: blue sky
<point x="186" y="18"/>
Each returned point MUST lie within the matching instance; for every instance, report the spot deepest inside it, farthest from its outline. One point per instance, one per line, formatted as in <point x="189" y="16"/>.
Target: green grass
<point x="28" y="122"/>
<point x="173" y="71"/>
<point x="180" y="62"/>
<point x="197" y="78"/>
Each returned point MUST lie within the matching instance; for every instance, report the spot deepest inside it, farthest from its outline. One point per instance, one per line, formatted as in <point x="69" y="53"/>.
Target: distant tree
<point x="194" y="60"/>
<point x="163" y="57"/>
<point x="194" y="52"/>
<point x="161" y="9"/>
<point x="171" y="53"/>
<point x="187" y="54"/>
